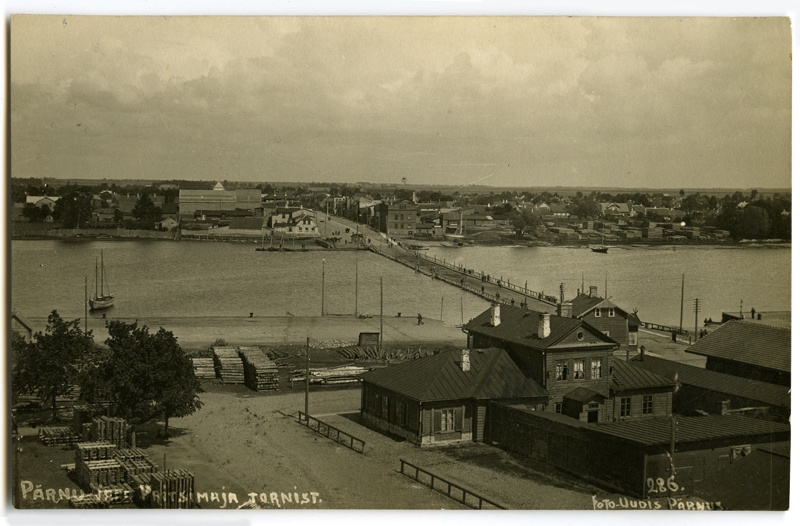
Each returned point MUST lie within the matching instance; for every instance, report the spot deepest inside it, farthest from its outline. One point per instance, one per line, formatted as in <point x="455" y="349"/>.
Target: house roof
<point x="655" y="431"/>
<point x="246" y="223"/>
<point x="584" y="303"/>
<point x="626" y="376"/>
<point x="583" y="395"/>
<point x="756" y="482"/>
<point x="518" y="325"/>
<point x="492" y="375"/>
<point x="749" y="343"/>
<point x="772" y="394"/>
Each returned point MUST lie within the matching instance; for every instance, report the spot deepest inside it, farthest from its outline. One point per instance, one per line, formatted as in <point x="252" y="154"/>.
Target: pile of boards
<point x="230" y="368"/>
<point x="171" y="489"/>
<point x="110" y="429"/>
<point x="204" y="368"/>
<point x="357" y="352"/>
<point x="260" y="373"/>
<point x="57" y="436"/>
<point x="329" y="375"/>
<point x="112" y="473"/>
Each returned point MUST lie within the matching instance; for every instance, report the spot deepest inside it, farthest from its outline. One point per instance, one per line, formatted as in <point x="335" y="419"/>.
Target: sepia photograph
<point x="398" y="263"/>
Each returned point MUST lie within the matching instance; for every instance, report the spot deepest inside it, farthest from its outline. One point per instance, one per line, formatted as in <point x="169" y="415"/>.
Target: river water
<point x="161" y="278"/>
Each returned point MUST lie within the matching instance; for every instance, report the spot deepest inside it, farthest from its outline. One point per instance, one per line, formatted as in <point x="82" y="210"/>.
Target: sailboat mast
<point x="95" y="277"/>
<point x="102" y="274"/>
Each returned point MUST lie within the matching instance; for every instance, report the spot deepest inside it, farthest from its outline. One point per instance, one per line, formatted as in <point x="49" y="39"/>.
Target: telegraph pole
<point x="696" y="311"/>
<point x="308" y="359"/>
<point x="85" y="305"/>
<point x="380" y="343"/>
<point x="356" y="287"/>
<point x="323" y="286"/>
<point x="683" y="277"/>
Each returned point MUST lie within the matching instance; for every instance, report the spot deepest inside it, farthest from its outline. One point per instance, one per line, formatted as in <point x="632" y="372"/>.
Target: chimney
<point x="465" y="360"/>
<point x="544" y="325"/>
<point x="495" y="320"/>
<point x="565" y="309"/>
<point x="593" y="291"/>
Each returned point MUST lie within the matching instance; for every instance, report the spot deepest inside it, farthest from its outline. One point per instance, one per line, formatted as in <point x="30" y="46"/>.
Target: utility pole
<point x="323" y="286"/>
<point x="85" y="305"/>
<point x="696" y="311"/>
<point x="683" y="277"/>
<point x="356" y="287"/>
<point x="606" y="293"/>
<point x="380" y="343"/>
<point x="581" y="282"/>
<point x="308" y="359"/>
<point x="441" y="311"/>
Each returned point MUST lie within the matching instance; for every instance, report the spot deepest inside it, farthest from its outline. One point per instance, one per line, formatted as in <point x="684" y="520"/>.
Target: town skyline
<point x="504" y="102"/>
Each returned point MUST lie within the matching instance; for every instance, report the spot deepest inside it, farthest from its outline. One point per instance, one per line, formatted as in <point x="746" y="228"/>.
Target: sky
<point x="501" y="101"/>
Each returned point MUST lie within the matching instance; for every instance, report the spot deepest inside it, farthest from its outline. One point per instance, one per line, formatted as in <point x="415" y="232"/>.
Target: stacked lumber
<point x="204" y="368"/>
<point x="87" y="451"/>
<point x="99" y="473"/>
<point x="120" y="493"/>
<point x="172" y="489"/>
<point x="260" y="373"/>
<point x="81" y="414"/>
<point x="356" y="352"/>
<point x="111" y="429"/>
<point x="329" y="375"/>
<point x="57" y="436"/>
<point x="229" y="365"/>
<point x="141" y="487"/>
<point x="85" y="432"/>
<point x="134" y="462"/>
<point x="87" y="501"/>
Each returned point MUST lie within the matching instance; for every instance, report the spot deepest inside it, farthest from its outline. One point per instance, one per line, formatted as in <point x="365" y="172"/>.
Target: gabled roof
<point x="518" y="325"/>
<point x="655" y="431"/>
<point x="772" y="394"/>
<point x="749" y="343"/>
<point x="584" y="303"/>
<point x="492" y="375"/>
<point x="583" y="395"/>
<point x="626" y="376"/>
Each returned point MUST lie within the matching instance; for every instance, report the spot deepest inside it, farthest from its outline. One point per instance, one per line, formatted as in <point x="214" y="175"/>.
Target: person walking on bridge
<point x="419" y="319"/>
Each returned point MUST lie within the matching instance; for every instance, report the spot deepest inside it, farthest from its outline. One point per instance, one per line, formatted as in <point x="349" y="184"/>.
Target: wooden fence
<point x="332" y="433"/>
<point x="462" y="495"/>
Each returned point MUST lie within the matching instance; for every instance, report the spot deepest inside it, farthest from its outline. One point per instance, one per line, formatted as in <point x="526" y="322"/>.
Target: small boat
<point x="100" y="300"/>
<point x="418" y="247"/>
<point x="601" y="248"/>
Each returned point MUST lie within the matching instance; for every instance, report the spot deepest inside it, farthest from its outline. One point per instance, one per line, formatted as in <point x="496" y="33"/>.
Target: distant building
<point x="401" y="219"/>
<point x="218" y="199"/>
<point x="607" y="317"/>
<point x="301" y="225"/>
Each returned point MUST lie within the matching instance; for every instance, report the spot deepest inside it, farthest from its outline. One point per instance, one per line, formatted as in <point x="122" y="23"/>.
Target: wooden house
<point x="443" y="398"/>
<point x="605" y="316"/>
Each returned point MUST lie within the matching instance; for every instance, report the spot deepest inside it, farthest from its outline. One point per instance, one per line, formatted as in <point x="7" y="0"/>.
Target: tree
<point x="35" y="214"/>
<point x="51" y="363"/>
<point x="74" y="209"/>
<point x="146" y="212"/>
<point x="525" y="221"/>
<point x="147" y="376"/>
<point x="586" y="208"/>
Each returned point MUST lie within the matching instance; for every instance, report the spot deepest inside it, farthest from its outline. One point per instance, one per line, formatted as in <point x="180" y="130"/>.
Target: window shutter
<point x="437" y="421"/>
<point x="459" y="417"/>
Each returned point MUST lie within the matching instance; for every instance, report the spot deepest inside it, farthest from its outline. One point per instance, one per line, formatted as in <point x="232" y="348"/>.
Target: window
<point x="447" y="420"/>
<point x="597" y="368"/>
<point x="561" y="370"/>
<point x="579" y="336"/>
<point x="597" y="313"/>
<point x="559" y="407"/>
<point x="625" y="406"/>
<point x="647" y="404"/>
<point x="611" y="313"/>
<point x="577" y="369"/>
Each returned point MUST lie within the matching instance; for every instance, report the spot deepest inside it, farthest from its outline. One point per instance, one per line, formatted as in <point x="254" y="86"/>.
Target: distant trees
<point x="146" y="376"/>
<point x="35" y="214"/>
<point x="585" y="208"/>
<point x="524" y="222"/>
<point x="74" y="210"/>
<point x="50" y="363"/>
<point x="146" y="213"/>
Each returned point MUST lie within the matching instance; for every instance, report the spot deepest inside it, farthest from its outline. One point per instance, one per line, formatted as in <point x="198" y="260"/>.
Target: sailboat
<point x="601" y="248"/>
<point x="100" y="300"/>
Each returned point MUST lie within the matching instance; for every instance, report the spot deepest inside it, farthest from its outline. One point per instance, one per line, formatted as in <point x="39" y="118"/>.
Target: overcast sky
<point x="702" y="102"/>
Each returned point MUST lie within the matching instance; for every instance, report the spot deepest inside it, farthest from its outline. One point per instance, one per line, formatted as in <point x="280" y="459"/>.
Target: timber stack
<point x="204" y="368"/>
<point x="345" y="374"/>
<point x="57" y="436"/>
<point x="134" y="462"/>
<point x="172" y="489"/>
<point x="260" y="373"/>
<point x="111" y="429"/>
<point x="229" y="365"/>
<point x="94" y="473"/>
<point x="88" y="451"/>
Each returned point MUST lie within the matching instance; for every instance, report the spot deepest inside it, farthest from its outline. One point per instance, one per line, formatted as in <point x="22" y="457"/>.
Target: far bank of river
<point x="208" y="279"/>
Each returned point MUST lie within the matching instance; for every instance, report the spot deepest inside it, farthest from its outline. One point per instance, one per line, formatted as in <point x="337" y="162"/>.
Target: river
<point x="159" y="278"/>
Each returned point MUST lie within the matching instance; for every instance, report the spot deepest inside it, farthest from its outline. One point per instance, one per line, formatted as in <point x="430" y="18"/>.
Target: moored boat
<point x="101" y="299"/>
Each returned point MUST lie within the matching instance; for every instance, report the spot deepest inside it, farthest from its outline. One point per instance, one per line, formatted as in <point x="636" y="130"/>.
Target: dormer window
<point x="597" y="313"/>
<point x="610" y="313"/>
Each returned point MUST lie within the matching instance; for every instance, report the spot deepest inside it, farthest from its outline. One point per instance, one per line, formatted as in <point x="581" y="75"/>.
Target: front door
<point x="591" y="416"/>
